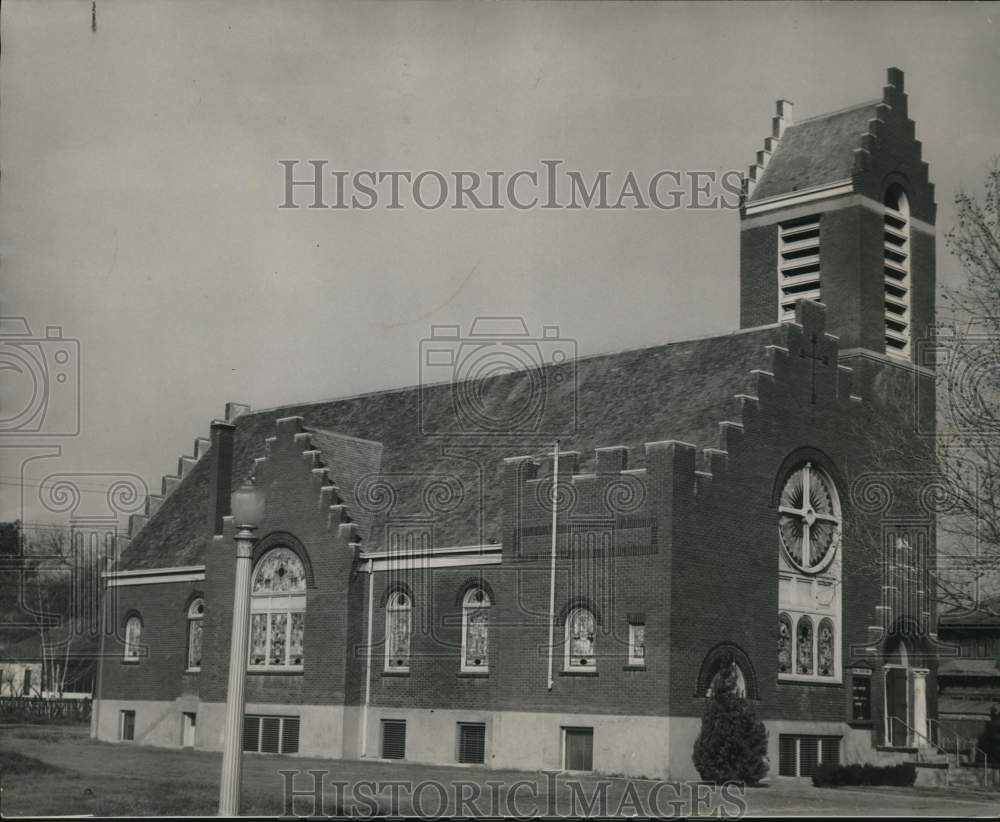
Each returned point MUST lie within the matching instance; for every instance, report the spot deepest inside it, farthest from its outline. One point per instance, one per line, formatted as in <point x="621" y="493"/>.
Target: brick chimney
<point x="221" y="474"/>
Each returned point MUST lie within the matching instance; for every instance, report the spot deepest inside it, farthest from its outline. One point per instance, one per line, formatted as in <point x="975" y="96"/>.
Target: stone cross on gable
<point x="811" y="354"/>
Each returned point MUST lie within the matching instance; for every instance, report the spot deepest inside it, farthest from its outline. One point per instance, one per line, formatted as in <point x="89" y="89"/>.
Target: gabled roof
<point x="815" y="152"/>
<point x="678" y="391"/>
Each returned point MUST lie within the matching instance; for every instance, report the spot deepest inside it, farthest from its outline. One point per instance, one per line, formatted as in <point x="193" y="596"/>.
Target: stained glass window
<point x="475" y="630"/>
<point x="258" y="639"/>
<point x="196" y="613"/>
<point x="580" y="639"/>
<point x="804" y="646"/>
<point x="133" y="638"/>
<point x="397" y="632"/>
<point x="277" y="606"/>
<point x="279" y="571"/>
<point x="784" y="644"/>
<point x="824" y="648"/>
<point x="809" y="519"/>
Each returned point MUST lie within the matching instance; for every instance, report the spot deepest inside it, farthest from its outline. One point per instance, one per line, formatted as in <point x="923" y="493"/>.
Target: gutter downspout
<point x="552" y="569"/>
<point x="368" y="664"/>
<point x="95" y="704"/>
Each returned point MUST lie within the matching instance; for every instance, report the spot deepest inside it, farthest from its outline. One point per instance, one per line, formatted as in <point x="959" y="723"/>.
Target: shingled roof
<point x="404" y="436"/>
<point x="815" y="152"/>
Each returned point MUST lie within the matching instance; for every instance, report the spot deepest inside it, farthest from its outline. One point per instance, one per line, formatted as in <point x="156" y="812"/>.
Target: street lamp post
<point x="248" y="509"/>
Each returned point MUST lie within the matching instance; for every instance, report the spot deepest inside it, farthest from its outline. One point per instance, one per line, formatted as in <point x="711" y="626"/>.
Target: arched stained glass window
<point x="133" y="638"/>
<point x="279" y="571"/>
<point x="581" y="640"/>
<point x="196" y="616"/>
<point x="277" y="611"/>
<point x="804" y="646"/>
<point x="475" y="630"/>
<point x="825" y="648"/>
<point x="729" y="668"/>
<point x="398" y="627"/>
<point x="784" y="644"/>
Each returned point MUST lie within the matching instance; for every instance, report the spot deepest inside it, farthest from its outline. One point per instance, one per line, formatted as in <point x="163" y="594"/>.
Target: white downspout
<point x="552" y="569"/>
<point x="368" y="664"/>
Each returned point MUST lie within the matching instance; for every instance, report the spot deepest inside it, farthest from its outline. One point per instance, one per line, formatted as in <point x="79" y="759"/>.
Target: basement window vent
<point x="271" y="734"/>
<point x="471" y="743"/>
<point x="394" y="739"/>
<point x="798" y="264"/>
<point x="800" y="755"/>
<point x="896" y="271"/>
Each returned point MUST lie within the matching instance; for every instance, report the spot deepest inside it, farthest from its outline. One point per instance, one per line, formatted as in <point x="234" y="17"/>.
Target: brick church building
<point x="756" y="497"/>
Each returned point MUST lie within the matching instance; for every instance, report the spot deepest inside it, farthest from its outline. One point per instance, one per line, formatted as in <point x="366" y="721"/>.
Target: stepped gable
<point x="388" y="472"/>
<point x="171" y="533"/>
<point x="849" y="145"/>
<point x="168" y="484"/>
<point x="613" y="506"/>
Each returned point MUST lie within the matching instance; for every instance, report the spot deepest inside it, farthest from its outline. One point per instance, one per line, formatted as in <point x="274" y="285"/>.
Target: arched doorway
<point x="905" y="694"/>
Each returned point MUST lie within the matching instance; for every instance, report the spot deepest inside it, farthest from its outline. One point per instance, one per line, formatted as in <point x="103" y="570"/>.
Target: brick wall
<point x="160" y="672"/>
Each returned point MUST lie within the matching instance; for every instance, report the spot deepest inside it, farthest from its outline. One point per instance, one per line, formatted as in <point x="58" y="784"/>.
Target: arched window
<point x="398" y="626"/>
<point x="784" y="644"/>
<point x="729" y="668"/>
<point x="133" y="638"/>
<point x="278" y="611"/>
<point x="804" y="646"/>
<point x="475" y="630"/>
<point x="581" y="640"/>
<point x="896" y="268"/>
<point x="809" y="573"/>
<point x="824" y="648"/>
<point x="195" y="615"/>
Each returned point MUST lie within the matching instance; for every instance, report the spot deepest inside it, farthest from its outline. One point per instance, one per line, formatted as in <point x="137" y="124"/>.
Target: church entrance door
<point x="896" y="706"/>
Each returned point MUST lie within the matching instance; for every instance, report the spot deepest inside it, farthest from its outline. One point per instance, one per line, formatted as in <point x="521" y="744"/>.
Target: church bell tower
<point x="838" y="208"/>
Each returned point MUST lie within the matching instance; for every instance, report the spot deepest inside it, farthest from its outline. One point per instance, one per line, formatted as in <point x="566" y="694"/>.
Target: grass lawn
<point x="53" y="771"/>
<point x="103" y="786"/>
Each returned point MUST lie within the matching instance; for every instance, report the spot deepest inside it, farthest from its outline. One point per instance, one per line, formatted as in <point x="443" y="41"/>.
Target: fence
<point x="36" y="709"/>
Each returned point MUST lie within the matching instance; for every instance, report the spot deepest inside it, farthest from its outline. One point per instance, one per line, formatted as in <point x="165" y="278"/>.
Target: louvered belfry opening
<point x="393" y="738"/>
<point x="798" y="264"/>
<point x="896" y="271"/>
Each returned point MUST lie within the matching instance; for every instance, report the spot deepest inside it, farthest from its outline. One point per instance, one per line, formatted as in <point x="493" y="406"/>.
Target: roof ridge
<point x="873" y="102"/>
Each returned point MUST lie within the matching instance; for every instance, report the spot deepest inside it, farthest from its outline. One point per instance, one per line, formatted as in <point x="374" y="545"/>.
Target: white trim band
<point x="154" y="576"/>
<point x="805" y="195"/>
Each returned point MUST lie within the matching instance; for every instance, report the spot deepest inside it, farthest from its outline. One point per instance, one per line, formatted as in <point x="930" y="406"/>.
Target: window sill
<point x="861" y="723"/>
<point x="812" y="679"/>
<point x="476" y="674"/>
<point x="397" y="672"/>
<point x="193" y="671"/>
<point x="633" y="666"/>
<point x="276" y="670"/>
<point x="130" y="660"/>
<point x="579" y="672"/>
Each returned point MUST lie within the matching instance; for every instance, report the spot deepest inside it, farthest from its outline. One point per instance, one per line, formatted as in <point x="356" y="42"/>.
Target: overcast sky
<point x="141" y="184"/>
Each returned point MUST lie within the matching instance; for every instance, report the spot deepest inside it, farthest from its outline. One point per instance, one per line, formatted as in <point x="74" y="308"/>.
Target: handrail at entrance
<point x="970" y="746"/>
